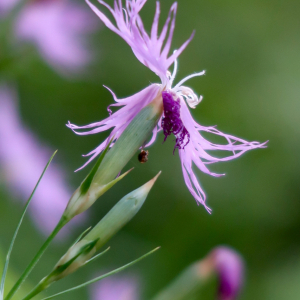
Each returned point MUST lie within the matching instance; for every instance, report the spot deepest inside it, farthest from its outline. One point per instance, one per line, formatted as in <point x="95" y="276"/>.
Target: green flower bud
<point x="112" y="161"/>
<point x="133" y="137"/>
<point x="81" y="252"/>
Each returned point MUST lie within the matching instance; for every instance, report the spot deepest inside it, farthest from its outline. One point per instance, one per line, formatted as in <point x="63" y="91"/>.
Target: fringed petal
<point x="153" y="50"/>
<point x="191" y="180"/>
<point x="119" y="120"/>
<point x="156" y="130"/>
<point x="234" y="145"/>
<point x="195" y="152"/>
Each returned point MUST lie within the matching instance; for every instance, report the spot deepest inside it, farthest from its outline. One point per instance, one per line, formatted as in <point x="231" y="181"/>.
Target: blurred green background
<point x="251" y="52"/>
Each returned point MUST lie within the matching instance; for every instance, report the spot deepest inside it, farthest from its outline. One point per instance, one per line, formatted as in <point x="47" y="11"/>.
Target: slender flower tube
<point x="106" y="171"/>
<point x="153" y="51"/>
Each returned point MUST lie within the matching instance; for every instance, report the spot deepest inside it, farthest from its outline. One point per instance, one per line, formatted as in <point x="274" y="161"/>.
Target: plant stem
<point x="63" y="221"/>
<point x="185" y="286"/>
<point x="39" y="288"/>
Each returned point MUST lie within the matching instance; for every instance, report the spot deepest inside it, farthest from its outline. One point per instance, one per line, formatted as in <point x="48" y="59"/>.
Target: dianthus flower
<point x="153" y="51"/>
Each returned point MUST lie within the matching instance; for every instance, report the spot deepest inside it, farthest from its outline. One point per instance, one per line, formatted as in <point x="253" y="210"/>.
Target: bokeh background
<point x="251" y="52"/>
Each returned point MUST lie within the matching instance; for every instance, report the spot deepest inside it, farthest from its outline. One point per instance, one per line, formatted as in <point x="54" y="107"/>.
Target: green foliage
<point x="17" y="230"/>
<point x="251" y="52"/>
<point x="85" y="185"/>
<point x="103" y="276"/>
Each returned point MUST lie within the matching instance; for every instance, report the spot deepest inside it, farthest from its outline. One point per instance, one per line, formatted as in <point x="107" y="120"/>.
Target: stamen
<point x="126" y="15"/>
<point x="175" y="69"/>
<point x="169" y="76"/>
<point x="187" y="78"/>
<point x="172" y="123"/>
<point x="190" y="97"/>
<point x="194" y="102"/>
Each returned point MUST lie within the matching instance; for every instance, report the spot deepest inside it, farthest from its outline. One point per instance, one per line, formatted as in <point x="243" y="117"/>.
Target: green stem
<point x="39" y="288"/>
<point x="63" y="221"/>
<point x="185" y="286"/>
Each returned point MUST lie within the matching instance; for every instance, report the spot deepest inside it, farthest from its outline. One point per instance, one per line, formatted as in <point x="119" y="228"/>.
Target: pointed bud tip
<point x="129" y="170"/>
<point x="151" y="182"/>
<point x="145" y="189"/>
<point x="124" y="174"/>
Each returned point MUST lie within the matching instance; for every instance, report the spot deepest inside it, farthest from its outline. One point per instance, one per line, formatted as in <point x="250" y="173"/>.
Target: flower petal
<point x="152" y="51"/>
<point x="119" y="120"/>
<point x="57" y="29"/>
<point x="195" y="151"/>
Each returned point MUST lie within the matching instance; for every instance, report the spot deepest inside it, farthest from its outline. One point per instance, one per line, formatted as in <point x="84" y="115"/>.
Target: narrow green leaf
<point x="113" y="182"/>
<point x="133" y="137"/>
<point x="102" y="276"/>
<point x="84" y="250"/>
<point x="97" y="256"/>
<point x="63" y="221"/>
<point x="88" y="180"/>
<point x="81" y="235"/>
<point x="17" y="229"/>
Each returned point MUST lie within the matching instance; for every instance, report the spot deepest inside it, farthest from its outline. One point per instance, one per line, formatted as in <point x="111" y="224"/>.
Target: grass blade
<point x="97" y="256"/>
<point x="102" y="276"/>
<point x="85" y="185"/>
<point x="17" y="229"/>
<point x="81" y="235"/>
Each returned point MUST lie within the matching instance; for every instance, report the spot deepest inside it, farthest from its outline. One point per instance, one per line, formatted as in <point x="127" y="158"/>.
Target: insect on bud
<point x="114" y="158"/>
<point x="143" y="156"/>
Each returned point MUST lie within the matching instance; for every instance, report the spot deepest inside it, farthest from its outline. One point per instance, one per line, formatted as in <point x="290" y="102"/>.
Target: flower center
<point x="189" y="96"/>
<point x="171" y="122"/>
<point x="185" y="92"/>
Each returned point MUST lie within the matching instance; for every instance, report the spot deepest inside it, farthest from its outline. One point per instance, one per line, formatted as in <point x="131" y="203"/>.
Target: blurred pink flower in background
<point x="116" y="287"/>
<point x="58" y="29"/>
<point x="6" y="6"/>
<point x="22" y="160"/>
<point x="229" y="266"/>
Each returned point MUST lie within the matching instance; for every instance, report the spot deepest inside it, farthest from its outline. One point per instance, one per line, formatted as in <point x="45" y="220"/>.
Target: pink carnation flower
<point x="153" y="51"/>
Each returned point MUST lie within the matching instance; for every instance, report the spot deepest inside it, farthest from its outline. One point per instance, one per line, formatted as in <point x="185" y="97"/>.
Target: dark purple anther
<point x="172" y="123"/>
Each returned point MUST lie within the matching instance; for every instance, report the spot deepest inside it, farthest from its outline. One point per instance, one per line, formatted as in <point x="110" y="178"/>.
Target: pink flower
<point x="230" y="269"/>
<point x="116" y="288"/>
<point x="22" y="160"/>
<point x="6" y="6"/>
<point x="153" y="51"/>
<point x="57" y="28"/>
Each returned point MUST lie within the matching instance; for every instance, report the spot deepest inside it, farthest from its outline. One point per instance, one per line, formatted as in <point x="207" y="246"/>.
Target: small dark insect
<point x="143" y="156"/>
